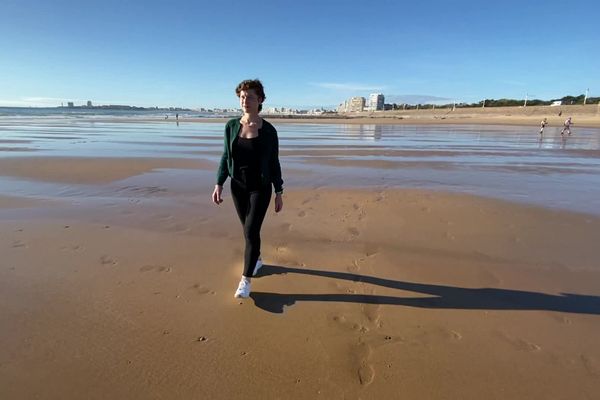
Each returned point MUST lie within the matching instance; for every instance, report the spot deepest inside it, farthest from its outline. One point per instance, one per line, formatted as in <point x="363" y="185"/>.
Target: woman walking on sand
<point x="251" y="159"/>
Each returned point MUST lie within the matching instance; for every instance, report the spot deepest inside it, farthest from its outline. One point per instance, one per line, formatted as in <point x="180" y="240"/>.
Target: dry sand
<point x="365" y="295"/>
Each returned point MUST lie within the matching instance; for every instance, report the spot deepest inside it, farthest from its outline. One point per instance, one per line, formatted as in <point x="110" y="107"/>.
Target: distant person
<point x="166" y="117"/>
<point x="251" y="159"/>
<point x="567" y="127"/>
<point x="177" y="116"/>
<point x="543" y="125"/>
<point x="560" y="113"/>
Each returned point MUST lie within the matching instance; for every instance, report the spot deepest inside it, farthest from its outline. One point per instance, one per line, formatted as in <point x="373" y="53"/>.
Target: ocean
<point x="72" y="113"/>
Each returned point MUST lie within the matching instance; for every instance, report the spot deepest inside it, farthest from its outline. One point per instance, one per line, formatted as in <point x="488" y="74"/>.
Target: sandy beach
<point x="118" y="274"/>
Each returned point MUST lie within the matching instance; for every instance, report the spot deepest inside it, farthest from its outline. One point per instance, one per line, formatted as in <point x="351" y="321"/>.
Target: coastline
<point x="584" y="116"/>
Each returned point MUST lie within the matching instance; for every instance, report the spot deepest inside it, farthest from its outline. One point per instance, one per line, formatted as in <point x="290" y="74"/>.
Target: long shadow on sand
<point x="448" y="297"/>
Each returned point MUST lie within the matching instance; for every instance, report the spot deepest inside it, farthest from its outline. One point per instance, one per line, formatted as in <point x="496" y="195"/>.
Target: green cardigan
<point x="270" y="169"/>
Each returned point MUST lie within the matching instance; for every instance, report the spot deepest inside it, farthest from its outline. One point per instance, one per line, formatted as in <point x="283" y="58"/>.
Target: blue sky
<point x="307" y="53"/>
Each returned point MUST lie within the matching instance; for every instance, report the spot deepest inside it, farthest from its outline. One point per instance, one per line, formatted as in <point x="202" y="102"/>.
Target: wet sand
<point x="120" y="285"/>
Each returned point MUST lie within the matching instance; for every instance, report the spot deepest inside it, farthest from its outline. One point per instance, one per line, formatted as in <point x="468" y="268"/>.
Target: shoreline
<point x="553" y="122"/>
<point x="583" y="116"/>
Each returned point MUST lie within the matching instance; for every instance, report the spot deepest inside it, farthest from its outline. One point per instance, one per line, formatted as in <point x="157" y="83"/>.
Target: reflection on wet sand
<point x="508" y="162"/>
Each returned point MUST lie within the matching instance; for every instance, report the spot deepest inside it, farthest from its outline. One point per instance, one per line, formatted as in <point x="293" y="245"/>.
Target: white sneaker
<point x="257" y="267"/>
<point x="243" y="290"/>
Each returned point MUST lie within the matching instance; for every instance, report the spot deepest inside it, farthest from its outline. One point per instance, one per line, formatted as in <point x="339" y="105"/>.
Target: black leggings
<point x="251" y="207"/>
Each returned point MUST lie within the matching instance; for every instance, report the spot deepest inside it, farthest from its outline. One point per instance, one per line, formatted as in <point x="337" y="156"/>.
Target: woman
<point x="251" y="159"/>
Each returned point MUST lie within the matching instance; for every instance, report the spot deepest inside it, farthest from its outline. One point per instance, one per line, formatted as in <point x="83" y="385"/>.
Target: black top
<point x="270" y="170"/>
<point x="246" y="157"/>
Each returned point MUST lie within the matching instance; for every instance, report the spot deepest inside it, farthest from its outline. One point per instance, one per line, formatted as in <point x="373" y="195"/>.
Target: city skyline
<point x="384" y="103"/>
<point x="308" y="54"/>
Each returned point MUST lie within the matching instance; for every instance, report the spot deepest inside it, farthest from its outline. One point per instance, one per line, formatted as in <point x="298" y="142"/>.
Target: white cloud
<point x="415" y="99"/>
<point x="34" y="101"/>
<point x="513" y="82"/>
<point x="349" y="86"/>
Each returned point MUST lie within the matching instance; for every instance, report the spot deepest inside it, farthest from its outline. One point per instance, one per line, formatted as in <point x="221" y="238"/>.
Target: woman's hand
<point x="278" y="202"/>
<point x="216" y="196"/>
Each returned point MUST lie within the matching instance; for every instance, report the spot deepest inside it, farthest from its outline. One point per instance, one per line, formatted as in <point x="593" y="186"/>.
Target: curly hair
<point x="253" y="84"/>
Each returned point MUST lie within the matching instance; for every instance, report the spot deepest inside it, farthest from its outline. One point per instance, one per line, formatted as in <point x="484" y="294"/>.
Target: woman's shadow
<point x="449" y="297"/>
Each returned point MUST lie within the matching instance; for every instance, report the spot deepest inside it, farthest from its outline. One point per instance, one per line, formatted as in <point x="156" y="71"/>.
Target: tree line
<point x="566" y="100"/>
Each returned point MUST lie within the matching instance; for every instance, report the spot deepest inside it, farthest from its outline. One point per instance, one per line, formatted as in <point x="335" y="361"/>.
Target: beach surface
<point x="380" y="280"/>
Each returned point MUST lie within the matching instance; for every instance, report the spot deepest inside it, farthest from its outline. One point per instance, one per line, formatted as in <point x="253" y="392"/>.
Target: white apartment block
<point x="376" y="101"/>
<point x="356" y="104"/>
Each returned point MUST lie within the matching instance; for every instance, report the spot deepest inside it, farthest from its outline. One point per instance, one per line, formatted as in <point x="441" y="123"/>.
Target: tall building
<point x="376" y="101"/>
<point x="356" y="104"/>
<point x="343" y="107"/>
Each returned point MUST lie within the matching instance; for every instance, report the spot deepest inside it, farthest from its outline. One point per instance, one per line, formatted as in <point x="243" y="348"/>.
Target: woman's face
<point x="249" y="101"/>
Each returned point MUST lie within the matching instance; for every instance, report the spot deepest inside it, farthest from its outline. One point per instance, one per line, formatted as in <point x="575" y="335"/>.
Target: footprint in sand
<point x="436" y="335"/>
<point x="361" y="211"/>
<point x="301" y="214"/>
<point x="282" y="249"/>
<point x="199" y="289"/>
<point x="520" y="344"/>
<point x="340" y="288"/>
<point x="164" y="217"/>
<point x="18" y="243"/>
<point x="488" y="278"/>
<point x="566" y="320"/>
<point x="455" y="335"/>
<point x="354" y="232"/>
<point x="355" y="267"/>
<point x="343" y="323"/>
<point x="525" y="345"/>
<point x="106" y="260"/>
<point x="309" y="199"/>
<point x="371" y="250"/>
<point x="75" y="247"/>
<point x="591" y="365"/>
<point x="178" y="228"/>
<point x="157" y="268"/>
<point x="371" y="311"/>
<point x="366" y="373"/>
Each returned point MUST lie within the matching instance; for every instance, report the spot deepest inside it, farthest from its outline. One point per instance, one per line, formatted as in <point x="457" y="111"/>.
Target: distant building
<point x="556" y="103"/>
<point x="356" y="104"/>
<point x="89" y="103"/>
<point x="343" y="107"/>
<point x="70" y="104"/>
<point x="376" y="102"/>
